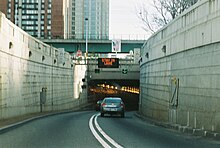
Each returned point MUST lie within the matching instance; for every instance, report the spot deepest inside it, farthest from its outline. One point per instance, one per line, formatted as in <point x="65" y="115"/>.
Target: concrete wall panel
<point x="28" y="67"/>
<point x="181" y="85"/>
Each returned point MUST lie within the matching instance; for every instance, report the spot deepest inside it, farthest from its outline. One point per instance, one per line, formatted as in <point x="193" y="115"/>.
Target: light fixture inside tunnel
<point x="107" y="88"/>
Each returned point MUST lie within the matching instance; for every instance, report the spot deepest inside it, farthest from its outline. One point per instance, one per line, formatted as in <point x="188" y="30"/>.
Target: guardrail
<point x="101" y="37"/>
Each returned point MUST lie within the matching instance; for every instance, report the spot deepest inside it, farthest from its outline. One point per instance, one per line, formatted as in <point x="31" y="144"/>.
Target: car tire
<point x="102" y="114"/>
<point x="122" y="114"/>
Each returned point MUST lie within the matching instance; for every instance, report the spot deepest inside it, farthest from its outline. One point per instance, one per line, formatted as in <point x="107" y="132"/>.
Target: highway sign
<point x="108" y="62"/>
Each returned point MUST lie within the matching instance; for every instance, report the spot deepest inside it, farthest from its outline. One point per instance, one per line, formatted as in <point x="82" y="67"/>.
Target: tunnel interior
<point x="128" y="90"/>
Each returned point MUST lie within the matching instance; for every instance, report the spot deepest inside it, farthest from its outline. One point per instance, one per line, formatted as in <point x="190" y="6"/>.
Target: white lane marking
<point x="105" y="135"/>
<point x="103" y="143"/>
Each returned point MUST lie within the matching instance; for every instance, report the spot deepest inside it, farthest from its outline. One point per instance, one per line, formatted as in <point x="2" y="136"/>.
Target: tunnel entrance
<point x="128" y="90"/>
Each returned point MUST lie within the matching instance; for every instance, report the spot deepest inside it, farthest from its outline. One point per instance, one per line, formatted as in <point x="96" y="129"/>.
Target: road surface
<point x="86" y="129"/>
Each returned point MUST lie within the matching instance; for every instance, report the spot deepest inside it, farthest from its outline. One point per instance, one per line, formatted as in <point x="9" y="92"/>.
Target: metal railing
<point x="98" y="37"/>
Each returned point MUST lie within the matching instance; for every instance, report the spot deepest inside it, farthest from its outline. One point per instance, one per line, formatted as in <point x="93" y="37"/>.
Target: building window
<point x="48" y="27"/>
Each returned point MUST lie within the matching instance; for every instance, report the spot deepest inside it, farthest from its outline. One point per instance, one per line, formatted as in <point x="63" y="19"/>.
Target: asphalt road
<point x="88" y="130"/>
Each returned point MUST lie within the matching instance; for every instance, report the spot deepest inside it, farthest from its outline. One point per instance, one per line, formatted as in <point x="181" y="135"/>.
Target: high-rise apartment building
<point x="91" y="16"/>
<point x="60" y="18"/>
<point x="3" y="6"/>
<point x="39" y="18"/>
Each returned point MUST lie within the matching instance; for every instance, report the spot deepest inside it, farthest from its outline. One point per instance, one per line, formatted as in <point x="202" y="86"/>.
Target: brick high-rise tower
<point x="39" y="18"/>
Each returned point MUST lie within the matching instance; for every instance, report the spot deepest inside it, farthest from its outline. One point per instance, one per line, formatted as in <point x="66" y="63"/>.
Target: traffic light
<point x="97" y="70"/>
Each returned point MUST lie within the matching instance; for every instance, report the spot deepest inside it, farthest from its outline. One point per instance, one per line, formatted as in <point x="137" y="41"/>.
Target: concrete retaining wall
<point x="28" y="67"/>
<point x="180" y="70"/>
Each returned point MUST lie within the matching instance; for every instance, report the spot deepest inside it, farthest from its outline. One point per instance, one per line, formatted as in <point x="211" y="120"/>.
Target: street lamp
<point x="87" y="66"/>
<point x="86" y="19"/>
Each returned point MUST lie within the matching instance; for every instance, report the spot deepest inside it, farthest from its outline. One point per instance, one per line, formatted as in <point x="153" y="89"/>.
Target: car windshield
<point x="112" y="100"/>
<point x="100" y="101"/>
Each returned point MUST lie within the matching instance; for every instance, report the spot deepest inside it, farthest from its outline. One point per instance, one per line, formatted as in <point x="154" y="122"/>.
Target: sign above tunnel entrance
<point x="108" y="62"/>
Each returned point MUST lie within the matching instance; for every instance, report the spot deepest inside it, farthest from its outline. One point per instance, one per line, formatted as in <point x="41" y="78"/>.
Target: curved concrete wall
<point x="179" y="74"/>
<point x="28" y="67"/>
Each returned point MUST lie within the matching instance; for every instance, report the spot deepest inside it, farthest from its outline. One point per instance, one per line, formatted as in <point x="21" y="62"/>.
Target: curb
<point x="21" y="123"/>
<point x="183" y="129"/>
<point x="18" y="124"/>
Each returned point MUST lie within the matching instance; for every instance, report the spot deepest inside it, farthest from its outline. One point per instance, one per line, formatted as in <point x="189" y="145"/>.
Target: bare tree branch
<point x="164" y="12"/>
<point x="146" y="21"/>
<point x="163" y="20"/>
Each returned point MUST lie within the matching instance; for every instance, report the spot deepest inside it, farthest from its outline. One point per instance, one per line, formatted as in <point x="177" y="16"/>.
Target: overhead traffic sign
<point x="108" y="63"/>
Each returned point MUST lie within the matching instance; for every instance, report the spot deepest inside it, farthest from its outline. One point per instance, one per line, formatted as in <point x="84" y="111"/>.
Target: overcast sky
<point x="123" y="19"/>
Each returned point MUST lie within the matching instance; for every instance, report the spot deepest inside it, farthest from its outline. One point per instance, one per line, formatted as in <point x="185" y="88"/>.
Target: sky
<point x="123" y="20"/>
